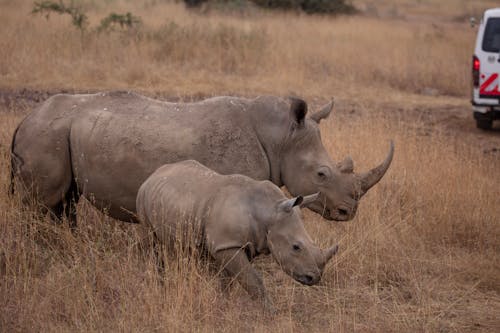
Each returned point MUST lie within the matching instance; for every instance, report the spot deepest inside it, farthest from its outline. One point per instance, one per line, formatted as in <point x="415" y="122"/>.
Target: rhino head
<point x="304" y="154"/>
<point x="291" y="246"/>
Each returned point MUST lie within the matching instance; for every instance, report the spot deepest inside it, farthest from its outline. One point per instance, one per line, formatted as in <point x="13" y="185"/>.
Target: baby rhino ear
<point x="288" y="204"/>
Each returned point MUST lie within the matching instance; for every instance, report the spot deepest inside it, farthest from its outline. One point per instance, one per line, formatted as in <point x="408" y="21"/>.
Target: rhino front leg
<point x="236" y="264"/>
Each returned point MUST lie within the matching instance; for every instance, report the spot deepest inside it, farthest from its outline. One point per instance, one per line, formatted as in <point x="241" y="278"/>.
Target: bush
<point x="279" y="4"/>
<point x="308" y="6"/>
<point x="194" y="3"/>
<point x="327" y="6"/>
<point x="79" y="19"/>
<point x="124" y="21"/>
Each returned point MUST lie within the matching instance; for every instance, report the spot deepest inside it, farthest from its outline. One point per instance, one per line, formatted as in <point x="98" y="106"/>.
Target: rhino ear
<point x="298" y="110"/>
<point x="323" y="113"/>
<point x="288" y="204"/>
<point x="346" y="166"/>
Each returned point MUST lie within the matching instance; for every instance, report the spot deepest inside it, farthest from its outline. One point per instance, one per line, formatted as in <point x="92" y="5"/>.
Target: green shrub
<point x="79" y="19"/>
<point x="124" y="21"/>
<point x="310" y="6"/>
<point x="194" y="3"/>
<point x="327" y="6"/>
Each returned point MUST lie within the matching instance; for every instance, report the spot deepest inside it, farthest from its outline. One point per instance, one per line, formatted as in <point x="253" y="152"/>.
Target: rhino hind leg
<point x="43" y="177"/>
<point x="60" y="201"/>
<point x="67" y="207"/>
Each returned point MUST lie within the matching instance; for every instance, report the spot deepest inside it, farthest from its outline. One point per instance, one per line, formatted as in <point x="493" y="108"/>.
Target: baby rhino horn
<point x="309" y="199"/>
<point x="329" y="253"/>
<point x="287" y="205"/>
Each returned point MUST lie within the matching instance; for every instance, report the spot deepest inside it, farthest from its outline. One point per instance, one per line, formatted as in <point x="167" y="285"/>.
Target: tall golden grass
<point x="422" y="255"/>
<point x="183" y="52"/>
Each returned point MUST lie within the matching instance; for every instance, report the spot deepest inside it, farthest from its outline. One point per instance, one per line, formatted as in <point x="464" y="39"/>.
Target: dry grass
<point x="188" y="53"/>
<point x="422" y="255"/>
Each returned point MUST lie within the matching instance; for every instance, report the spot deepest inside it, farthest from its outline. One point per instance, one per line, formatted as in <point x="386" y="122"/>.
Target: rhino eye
<point x="296" y="247"/>
<point x="322" y="174"/>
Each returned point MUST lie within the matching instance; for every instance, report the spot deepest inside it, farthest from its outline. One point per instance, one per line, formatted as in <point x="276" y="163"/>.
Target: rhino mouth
<point x="339" y="214"/>
<point x="307" y="279"/>
<point x="325" y="212"/>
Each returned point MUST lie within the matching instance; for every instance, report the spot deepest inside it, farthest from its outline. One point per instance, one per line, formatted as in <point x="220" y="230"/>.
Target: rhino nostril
<point x="308" y="279"/>
<point x="342" y="211"/>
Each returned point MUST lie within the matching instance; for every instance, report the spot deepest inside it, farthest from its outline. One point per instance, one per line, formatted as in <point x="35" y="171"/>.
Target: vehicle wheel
<point x="484" y="123"/>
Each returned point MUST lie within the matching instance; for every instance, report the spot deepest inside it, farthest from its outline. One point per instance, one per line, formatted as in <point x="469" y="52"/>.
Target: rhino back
<point x="221" y="210"/>
<point x="117" y="140"/>
<point x="178" y="197"/>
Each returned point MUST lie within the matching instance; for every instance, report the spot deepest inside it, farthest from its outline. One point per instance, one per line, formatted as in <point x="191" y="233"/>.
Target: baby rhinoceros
<point x="232" y="218"/>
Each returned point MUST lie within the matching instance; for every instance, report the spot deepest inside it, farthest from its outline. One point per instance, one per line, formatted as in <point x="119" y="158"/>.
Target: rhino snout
<point x="308" y="279"/>
<point x="341" y="213"/>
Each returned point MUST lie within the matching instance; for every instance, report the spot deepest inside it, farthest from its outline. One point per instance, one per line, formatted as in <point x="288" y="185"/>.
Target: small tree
<point x="78" y="18"/>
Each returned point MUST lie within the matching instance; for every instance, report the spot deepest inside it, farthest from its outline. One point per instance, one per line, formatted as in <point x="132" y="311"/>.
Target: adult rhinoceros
<point x="104" y="145"/>
<point x="233" y="219"/>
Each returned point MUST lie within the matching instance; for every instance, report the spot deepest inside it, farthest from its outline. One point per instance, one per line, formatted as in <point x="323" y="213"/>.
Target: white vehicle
<point x="486" y="70"/>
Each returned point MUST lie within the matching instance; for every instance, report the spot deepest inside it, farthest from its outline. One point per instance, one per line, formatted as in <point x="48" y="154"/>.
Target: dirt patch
<point x="454" y="121"/>
<point x="450" y="120"/>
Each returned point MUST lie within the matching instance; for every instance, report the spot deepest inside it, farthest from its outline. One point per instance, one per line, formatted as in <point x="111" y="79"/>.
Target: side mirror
<point x="472" y="22"/>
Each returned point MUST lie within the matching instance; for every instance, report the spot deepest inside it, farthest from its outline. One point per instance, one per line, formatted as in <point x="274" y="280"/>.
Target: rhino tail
<point x="15" y="162"/>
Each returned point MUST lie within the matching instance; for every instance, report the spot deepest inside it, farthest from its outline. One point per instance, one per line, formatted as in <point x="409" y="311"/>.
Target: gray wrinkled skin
<point x="103" y="146"/>
<point x="232" y="217"/>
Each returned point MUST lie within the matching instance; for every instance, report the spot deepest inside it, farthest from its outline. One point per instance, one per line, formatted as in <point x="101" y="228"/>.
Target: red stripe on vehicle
<point x="491" y="79"/>
<point x="494" y="92"/>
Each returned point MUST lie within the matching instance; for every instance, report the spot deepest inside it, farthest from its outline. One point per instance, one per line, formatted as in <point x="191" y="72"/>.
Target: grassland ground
<point x="422" y="254"/>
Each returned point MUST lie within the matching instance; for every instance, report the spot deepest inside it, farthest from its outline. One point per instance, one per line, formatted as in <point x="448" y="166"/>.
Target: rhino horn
<point x="346" y="166"/>
<point x="309" y="199"/>
<point x="372" y="177"/>
<point x="329" y="253"/>
<point x="323" y="113"/>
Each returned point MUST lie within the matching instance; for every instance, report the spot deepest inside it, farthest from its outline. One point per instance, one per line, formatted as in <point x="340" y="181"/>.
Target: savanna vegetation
<point x="422" y="254"/>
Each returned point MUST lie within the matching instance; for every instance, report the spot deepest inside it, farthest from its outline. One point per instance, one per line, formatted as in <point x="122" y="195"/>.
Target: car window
<point x="491" y="39"/>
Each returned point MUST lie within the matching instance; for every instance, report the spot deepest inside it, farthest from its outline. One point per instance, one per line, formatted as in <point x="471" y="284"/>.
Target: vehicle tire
<point x="484" y="124"/>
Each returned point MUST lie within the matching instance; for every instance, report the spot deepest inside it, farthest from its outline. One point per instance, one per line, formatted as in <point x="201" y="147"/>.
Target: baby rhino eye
<point x="296" y="247"/>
